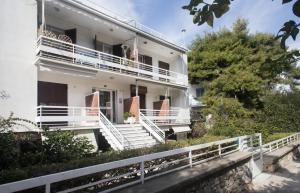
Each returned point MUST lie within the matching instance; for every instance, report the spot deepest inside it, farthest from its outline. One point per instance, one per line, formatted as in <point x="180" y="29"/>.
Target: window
<point x="103" y="47"/>
<point x="199" y="92"/>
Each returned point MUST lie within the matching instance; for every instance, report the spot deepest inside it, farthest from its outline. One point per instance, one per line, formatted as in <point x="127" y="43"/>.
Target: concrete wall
<point x="234" y="179"/>
<point x="18" y="74"/>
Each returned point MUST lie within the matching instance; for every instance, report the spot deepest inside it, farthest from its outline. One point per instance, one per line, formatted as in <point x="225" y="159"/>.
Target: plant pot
<point x="130" y="120"/>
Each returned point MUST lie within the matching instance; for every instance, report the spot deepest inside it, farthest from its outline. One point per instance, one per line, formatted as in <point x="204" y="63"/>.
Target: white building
<point x="68" y="64"/>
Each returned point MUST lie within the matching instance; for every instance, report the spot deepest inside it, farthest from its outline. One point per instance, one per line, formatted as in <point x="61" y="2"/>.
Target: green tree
<point x="205" y="12"/>
<point x="238" y="70"/>
<point x="238" y="65"/>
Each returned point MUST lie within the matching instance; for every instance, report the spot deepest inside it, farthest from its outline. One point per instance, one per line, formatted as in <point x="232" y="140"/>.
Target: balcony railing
<point x="164" y="117"/>
<point x="66" y="116"/>
<point x="60" y="51"/>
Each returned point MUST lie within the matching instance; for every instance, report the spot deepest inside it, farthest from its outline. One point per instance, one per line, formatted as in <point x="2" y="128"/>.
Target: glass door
<point x="106" y="104"/>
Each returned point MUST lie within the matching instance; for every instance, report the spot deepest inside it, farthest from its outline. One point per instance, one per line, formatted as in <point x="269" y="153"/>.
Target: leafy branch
<point x="204" y="12"/>
<point x="7" y="123"/>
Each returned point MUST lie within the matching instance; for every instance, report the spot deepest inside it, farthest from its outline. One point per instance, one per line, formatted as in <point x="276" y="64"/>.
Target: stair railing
<point x="113" y="133"/>
<point x="153" y="129"/>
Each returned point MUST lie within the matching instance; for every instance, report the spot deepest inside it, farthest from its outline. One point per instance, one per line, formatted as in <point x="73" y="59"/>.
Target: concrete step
<point x="140" y="146"/>
<point x="135" y="138"/>
<point x="143" y="138"/>
<point x="133" y="132"/>
<point x="136" y="135"/>
<point x="130" y="132"/>
<point x="140" y="143"/>
<point x="127" y="125"/>
<point x="130" y="128"/>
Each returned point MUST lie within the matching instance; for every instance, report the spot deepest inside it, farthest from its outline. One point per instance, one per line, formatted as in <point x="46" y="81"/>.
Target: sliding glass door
<point x="107" y="104"/>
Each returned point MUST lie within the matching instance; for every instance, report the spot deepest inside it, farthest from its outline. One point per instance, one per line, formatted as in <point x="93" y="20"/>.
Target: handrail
<point x="114" y="134"/>
<point x="171" y="116"/>
<point x="152" y="128"/>
<point x="63" y="107"/>
<point x="274" y="145"/>
<point x="165" y="75"/>
<point x="210" y="151"/>
<point x="65" y="116"/>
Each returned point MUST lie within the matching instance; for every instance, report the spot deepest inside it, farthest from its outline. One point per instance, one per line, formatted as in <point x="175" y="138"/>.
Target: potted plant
<point x="129" y="118"/>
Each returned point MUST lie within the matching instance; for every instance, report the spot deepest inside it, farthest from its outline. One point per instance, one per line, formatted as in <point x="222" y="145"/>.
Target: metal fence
<point x="115" y="175"/>
<point x="274" y="145"/>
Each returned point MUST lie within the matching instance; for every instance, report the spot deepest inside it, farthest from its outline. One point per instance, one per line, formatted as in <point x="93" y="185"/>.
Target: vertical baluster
<point x="47" y="188"/>
<point x="73" y="51"/>
<point x="41" y="110"/>
<point x="190" y="158"/>
<point x="142" y="172"/>
<point x="260" y="147"/>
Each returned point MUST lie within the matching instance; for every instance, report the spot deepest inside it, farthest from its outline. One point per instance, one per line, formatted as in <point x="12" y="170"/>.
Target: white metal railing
<point x="274" y="145"/>
<point x="66" y="116"/>
<point x="60" y="51"/>
<point x="173" y="116"/>
<point x="112" y="132"/>
<point x="119" y="174"/>
<point x="152" y="128"/>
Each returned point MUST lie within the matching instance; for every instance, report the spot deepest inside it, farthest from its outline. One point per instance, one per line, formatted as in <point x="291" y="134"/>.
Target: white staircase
<point x="135" y="136"/>
<point x="153" y="129"/>
<point x="111" y="133"/>
<point x="131" y="136"/>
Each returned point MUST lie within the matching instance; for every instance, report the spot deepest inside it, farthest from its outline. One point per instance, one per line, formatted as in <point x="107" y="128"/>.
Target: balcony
<point x="68" y="117"/>
<point x="174" y="116"/>
<point x="63" y="53"/>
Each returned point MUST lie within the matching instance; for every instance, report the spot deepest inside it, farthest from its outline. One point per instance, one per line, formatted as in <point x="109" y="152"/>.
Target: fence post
<point x="48" y="188"/>
<point x="41" y="109"/>
<point x="190" y="158"/>
<point x="142" y="171"/>
<point x="220" y="151"/>
<point x="240" y="144"/>
<point x="261" y="147"/>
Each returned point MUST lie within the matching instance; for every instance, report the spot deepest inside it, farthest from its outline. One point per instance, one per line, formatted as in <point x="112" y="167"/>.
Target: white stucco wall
<point x="18" y="74"/>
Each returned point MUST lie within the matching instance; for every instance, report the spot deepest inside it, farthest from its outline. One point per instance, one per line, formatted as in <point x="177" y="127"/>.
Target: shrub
<point x="39" y="170"/>
<point x="60" y="146"/>
<point x="8" y="150"/>
<point x="198" y="129"/>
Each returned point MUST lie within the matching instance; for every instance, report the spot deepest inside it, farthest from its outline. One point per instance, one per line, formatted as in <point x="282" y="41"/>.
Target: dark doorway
<point x="146" y="60"/>
<point x="53" y="94"/>
<point x="72" y="33"/>
<point x="142" y="91"/>
<point x="117" y="50"/>
<point x="164" y="66"/>
<point x="164" y="97"/>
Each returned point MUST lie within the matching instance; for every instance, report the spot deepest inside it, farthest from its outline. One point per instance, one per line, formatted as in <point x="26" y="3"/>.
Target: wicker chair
<point x="49" y="34"/>
<point x="64" y="38"/>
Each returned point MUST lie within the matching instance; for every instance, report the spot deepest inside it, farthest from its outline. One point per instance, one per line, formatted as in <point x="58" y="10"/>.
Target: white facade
<point x="29" y="56"/>
<point x="18" y="74"/>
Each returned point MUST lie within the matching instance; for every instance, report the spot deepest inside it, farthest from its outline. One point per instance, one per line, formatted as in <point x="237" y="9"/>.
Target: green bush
<point x="8" y="150"/>
<point x="44" y="169"/>
<point x="60" y="146"/>
<point x="282" y="112"/>
<point x="276" y="136"/>
<point x="198" y="129"/>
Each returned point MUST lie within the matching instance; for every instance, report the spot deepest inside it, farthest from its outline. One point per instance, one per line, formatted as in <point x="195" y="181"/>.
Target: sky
<point x="167" y="16"/>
